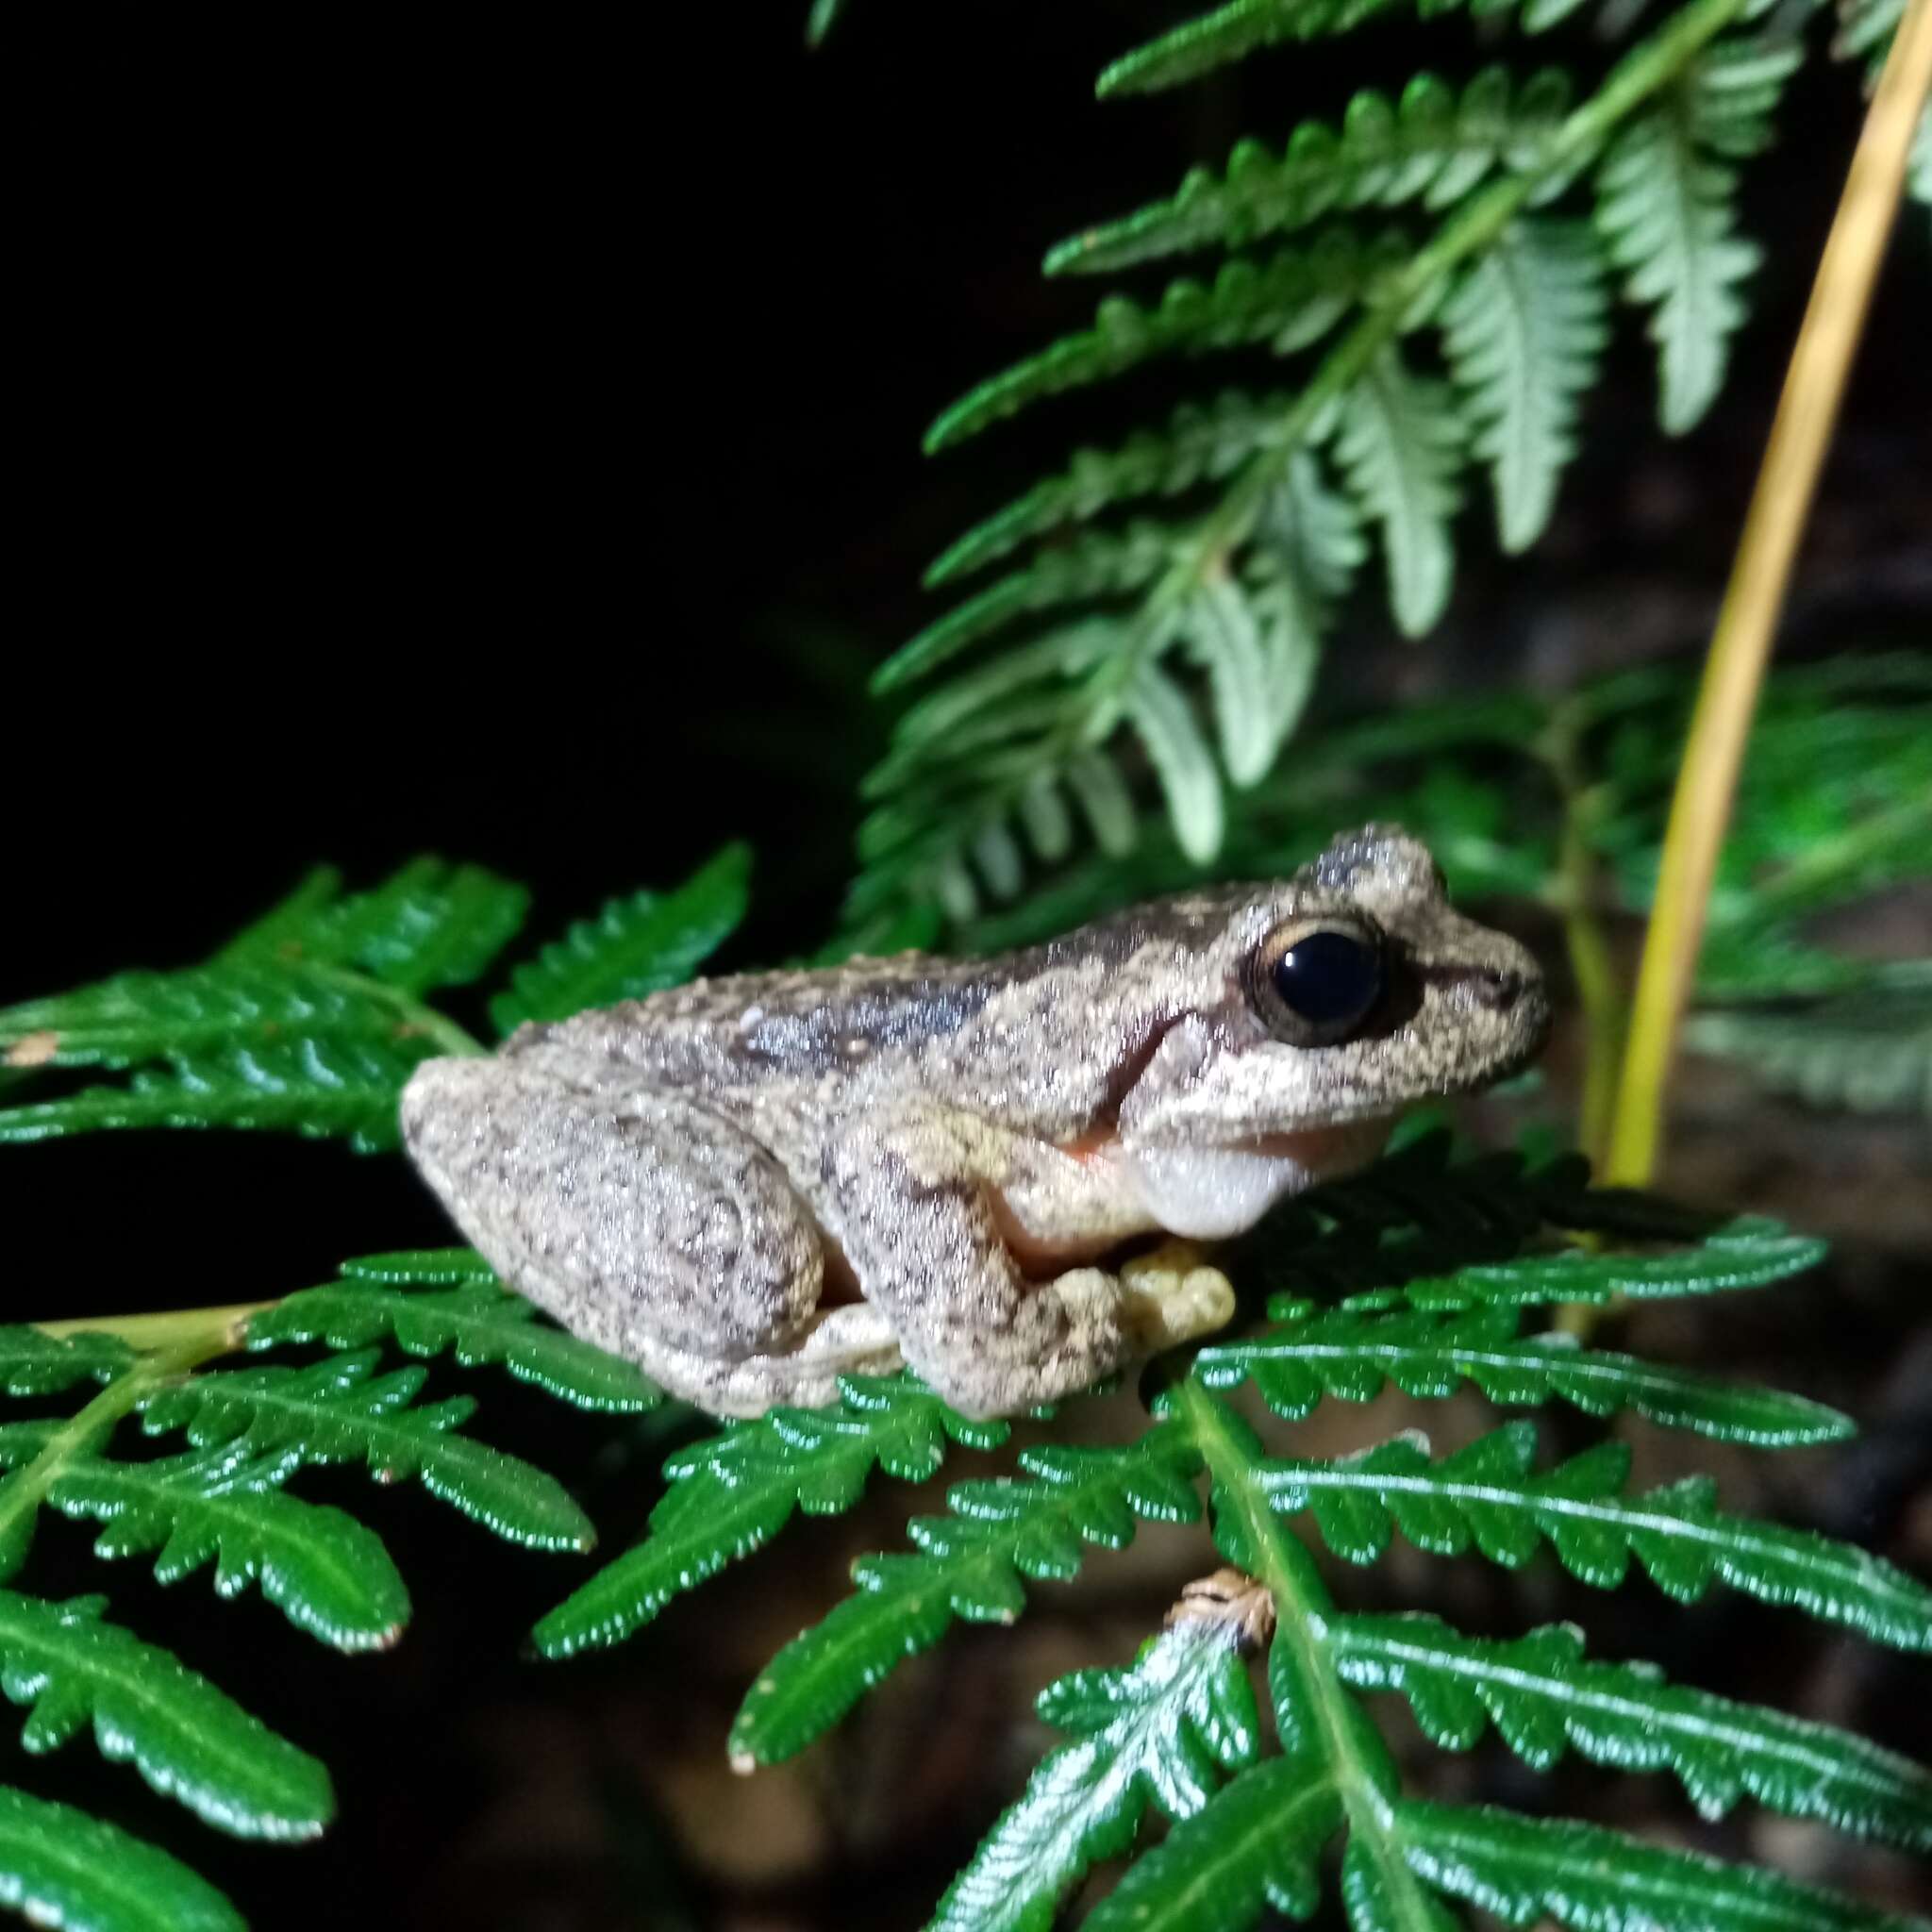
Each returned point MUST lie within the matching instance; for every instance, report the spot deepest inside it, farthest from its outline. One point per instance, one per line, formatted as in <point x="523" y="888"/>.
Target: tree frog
<point x="750" y="1185"/>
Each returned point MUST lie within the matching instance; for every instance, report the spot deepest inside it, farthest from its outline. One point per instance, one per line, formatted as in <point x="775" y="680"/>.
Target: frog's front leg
<point x="928" y="1207"/>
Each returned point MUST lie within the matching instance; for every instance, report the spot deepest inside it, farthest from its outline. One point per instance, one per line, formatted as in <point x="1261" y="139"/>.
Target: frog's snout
<point x="1514" y="990"/>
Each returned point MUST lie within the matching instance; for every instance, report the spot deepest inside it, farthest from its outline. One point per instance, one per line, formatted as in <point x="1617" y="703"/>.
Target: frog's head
<point x="1328" y="1003"/>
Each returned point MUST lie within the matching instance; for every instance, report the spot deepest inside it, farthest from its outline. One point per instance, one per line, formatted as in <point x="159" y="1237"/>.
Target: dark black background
<point x="499" y="435"/>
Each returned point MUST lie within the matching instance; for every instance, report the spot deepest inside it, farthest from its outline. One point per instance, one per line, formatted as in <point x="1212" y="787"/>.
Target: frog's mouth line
<point x="1322" y="1150"/>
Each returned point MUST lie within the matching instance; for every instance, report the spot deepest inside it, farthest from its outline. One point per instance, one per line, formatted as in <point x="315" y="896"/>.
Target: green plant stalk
<point x="149" y="1332"/>
<point x="1647" y="69"/>
<point x="1351" y="1747"/>
<point x="1600" y="994"/>
<point x="23" y="1493"/>
<point x="1760" y="574"/>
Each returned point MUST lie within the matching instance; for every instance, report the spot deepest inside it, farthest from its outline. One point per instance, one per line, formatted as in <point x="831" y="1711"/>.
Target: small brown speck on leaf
<point x="1234" y="1602"/>
<point x="33" y="1049"/>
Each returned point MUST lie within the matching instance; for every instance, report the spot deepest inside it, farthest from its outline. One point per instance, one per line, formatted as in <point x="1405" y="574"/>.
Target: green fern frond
<point x="62" y="1869"/>
<point x="1746" y="1253"/>
<point x="971" y="1564"/>
<point x="1439" y="1233"/>
<point x="1288" y="301"/>
<point x="1097" y="564"/>
<point x="1485" y="1497"/>
<point x="477" y="1321"/>
<point x="1164" y="1732"/>
<point x="326" y="1572"/>
<point x="1524" y="333"/>
<point x="187" y="1739"/>
<point x="310" y="1020"/>
<point x="339" y="1410"/>
<point x="1354" y="1355"/>
<point x="636" y="945"/>
<point x="1244" y="27"/>
<point x="1521" y="299"/>
<point x="320" y="1088"/>
<point x="1544" y="1697"/>
<point x="1431" y="147"/>
<point x="1595" y="1880"/>
<point x="1202" y="443"/>
<point x="730" y="1495"/>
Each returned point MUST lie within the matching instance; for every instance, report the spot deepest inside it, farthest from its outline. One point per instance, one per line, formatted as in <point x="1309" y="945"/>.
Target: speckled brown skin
<point x="670" y="1176"/>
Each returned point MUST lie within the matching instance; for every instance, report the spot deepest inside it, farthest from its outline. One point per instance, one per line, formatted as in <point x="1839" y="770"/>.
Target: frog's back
<point x="750" y="1029"/>
<point x="1060" y="1017"/>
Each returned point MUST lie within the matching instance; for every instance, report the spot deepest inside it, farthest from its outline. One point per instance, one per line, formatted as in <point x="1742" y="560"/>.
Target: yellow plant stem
<point x="1740" y="647"/>
<point x="147" y="1332"/>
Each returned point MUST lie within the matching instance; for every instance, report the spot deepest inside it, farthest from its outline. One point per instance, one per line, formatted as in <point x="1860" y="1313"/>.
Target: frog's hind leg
<point x="645" y="1222"/>
<point x="854" y="1340"/>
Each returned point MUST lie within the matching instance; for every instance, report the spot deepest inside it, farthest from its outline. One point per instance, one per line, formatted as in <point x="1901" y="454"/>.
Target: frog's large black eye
<point x="1325" y="980"/>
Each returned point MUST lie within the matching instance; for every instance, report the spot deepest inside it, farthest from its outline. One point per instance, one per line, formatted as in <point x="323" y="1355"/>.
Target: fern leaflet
<point x="730" y="1495"/>
<point x="326" y="1572"/>
<point x="1430" y="147"/>
<point x="476" y="1319"/>
<point x="1523" y="333"/>
<point x="1544" y="1696"/>
<point x="1666" y="207"/>
<point x="1869" y="1050"/>
<point x="1485" y="1497"/>
<point x="636" y="945"/>
<point x="1595" y="1880"/>
<point x="60" y="1868"/>
<point x="1398" y="444"/>
<point x="1353" y="1354"/>
<point x="970" y="1564"/>
<point x="1254" y="1844"/>
<point x="339" y="1410"/>
<point x="34" y="1363"/>
<point x="1163" y="1732"/>
<point x="187" y="1739"/>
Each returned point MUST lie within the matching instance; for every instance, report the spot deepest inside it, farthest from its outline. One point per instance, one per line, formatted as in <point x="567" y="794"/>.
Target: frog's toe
<point x="1171" y="1296"/>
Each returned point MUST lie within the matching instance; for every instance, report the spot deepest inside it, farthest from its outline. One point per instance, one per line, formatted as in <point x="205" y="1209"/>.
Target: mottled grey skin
<point x="693" y="1181"/>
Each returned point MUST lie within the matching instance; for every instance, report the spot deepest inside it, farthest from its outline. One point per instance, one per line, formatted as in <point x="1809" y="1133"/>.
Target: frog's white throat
<point x="1211" y="1193"/>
